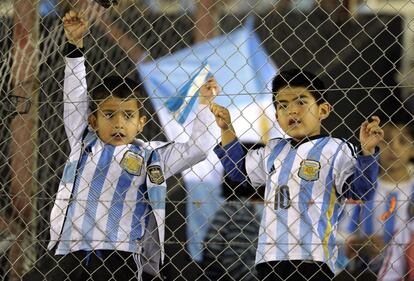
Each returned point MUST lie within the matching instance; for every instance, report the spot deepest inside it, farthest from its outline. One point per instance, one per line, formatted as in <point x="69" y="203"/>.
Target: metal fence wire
<point x="290" y="208"/>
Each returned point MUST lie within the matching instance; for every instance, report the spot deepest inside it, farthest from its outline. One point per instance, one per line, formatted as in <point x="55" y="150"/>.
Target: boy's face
<point x="396" y="148"/>
<point x="117" y="121"/>
<point x="298" y="113"/>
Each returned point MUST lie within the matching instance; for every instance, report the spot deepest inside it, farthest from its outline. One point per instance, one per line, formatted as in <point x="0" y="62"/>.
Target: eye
<point x="301" y="102"/>
<point x="282" y="106"/>
<point x="129" y="115"/>
<point x="108" y="115"/>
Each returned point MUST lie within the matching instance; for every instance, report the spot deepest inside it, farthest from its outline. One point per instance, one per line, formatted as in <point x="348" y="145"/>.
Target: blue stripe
<point x="274" y="154"/>
<point x="65" y="240"/>
<point x="98" y="180"/>
<point x="329" y="183"/>
<point x="305" y="196"/>
<point x="355" y="218"/>
<point x="367" y="218"/>
<point x="136" y="226"/>
<point x="270" y="164"/>
<point x="117" y="205"/>
<point x="282" y="230"/>
<point x="187" y="109"/>
<point x="390" y="222"/>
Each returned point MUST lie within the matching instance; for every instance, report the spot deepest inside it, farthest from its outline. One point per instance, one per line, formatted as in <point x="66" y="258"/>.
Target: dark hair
<point x="235" y="191"/>
<point x="401" y="117"/>
<point x="299" y="78"/>
<point x="115" y="86"/>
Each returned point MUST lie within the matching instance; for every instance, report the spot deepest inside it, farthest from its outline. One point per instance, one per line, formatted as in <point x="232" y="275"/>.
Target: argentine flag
<point x="180" y="105"/>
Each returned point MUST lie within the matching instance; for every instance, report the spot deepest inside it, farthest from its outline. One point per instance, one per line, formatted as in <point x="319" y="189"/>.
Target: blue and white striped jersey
<point x="383" y="215"/>
<point x="109" y="197"/>
<point x="304" y="186"/>
<point x="108" y="205"/>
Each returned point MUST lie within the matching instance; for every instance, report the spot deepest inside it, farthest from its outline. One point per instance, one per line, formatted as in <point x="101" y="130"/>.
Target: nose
<point x="292" y="109"/>
<point x="118" y="121"/>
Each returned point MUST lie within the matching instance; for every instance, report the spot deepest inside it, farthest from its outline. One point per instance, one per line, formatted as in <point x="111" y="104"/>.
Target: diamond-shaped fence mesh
<point x="97" y="186"/>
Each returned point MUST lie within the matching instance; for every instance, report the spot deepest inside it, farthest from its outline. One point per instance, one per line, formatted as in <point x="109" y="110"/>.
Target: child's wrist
<point x="77" y="43"/>
<point x="205" y="101"/>
<point x="367" y="152"/>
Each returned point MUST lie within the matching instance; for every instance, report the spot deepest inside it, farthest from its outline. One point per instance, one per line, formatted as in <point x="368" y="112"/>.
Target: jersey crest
<point x="309" y="170"/>
<point x="155" y="174"/>
<point x="132" y="163"/>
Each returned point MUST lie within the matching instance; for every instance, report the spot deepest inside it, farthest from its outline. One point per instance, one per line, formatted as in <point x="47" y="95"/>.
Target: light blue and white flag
<point x="180" y="104"/>
<point x="244" y="72"/>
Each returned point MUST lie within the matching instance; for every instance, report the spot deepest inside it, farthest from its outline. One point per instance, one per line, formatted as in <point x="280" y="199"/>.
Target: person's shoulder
<point x="345" y="145"/>
<point x="151" y="148"/>
<point x="150" y="145"/>
<point x="274" y="141"/>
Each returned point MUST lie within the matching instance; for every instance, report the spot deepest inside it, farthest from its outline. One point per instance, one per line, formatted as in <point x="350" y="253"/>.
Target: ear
<point x="92" y="121"/>
<point x="324" y="110"/>
<point x="141" y="123"/>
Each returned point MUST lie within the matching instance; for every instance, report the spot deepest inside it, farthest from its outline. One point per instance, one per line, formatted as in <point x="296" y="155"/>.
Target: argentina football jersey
<point x="108" y="205"/>
<point x="306" y="184"/>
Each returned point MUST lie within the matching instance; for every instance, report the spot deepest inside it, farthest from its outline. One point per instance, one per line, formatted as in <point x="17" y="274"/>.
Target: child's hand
<point x="370" y="135"/>
<point x="223" y="120"/>
<point x="75" y="28"/>
<point x="208" y="91"/>
<point x="222" y="115"/>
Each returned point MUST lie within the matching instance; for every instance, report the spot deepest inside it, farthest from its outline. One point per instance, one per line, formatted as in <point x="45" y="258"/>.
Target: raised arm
<point x="75" y="110"/>
<point x="360" y="184"/>
<point x="233" y="156"/>
<point x="180" y="156"/>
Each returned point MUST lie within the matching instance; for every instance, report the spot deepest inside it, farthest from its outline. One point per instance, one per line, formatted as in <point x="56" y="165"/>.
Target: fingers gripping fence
<point x="81" y="198"/>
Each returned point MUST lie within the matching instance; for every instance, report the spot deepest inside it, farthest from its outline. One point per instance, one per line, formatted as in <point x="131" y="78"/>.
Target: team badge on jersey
<point x="155" y="174"/>
<point x="309" y="170"/>
<point x="132" y="163"/>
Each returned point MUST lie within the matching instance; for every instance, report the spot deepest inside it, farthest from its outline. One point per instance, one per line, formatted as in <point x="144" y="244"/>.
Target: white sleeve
<point x="394" y="265"/>
<point x="75" y="99"/>
<point x="180" y="156"/>
<point x="255" y="166"/>
<point x="344" y="165"/>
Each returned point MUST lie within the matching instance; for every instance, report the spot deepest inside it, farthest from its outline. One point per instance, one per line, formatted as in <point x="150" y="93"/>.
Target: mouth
<point x="118" y="136"/>
<point x="294" y="122"/>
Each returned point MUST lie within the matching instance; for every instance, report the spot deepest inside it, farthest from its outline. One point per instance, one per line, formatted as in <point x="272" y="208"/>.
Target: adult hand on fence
<point x="75" y="27"/>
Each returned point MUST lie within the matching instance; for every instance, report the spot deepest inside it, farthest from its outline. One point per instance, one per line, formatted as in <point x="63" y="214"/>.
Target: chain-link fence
<point x="217" y="227"/>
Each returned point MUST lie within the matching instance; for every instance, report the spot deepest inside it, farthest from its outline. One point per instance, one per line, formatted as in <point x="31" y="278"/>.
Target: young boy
<point x="371" y="225"/>
<point x="108" y="219"/>
<point x="398" y="263"/>
<point x="307" y="176"/>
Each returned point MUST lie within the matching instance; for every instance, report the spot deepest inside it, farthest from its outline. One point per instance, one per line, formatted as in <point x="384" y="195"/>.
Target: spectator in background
<point x="369" y="227"/>
<point x="231" y="242"/>
<point x="398" y="263"/>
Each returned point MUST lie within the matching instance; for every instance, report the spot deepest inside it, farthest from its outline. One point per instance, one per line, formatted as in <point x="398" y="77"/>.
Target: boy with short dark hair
<point x="108" y="219"/>
<point x="307" y="176"/>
